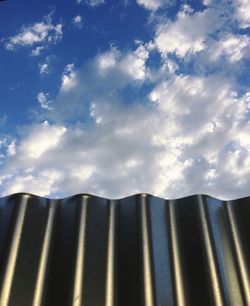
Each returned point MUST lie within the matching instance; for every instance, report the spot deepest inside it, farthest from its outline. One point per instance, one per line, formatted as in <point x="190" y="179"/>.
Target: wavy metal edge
<point x="125" y="197"/>
<point x="139" y="250"/>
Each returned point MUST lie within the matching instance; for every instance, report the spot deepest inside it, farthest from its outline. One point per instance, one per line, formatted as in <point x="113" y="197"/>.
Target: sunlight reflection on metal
<point x="138" y="251"/>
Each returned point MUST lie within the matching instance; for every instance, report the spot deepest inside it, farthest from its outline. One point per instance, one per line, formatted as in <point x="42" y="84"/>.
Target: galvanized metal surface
<point x="137" y="251"/>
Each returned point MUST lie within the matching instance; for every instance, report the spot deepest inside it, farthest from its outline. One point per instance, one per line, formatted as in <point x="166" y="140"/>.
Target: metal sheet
<point x="136" y="251"/>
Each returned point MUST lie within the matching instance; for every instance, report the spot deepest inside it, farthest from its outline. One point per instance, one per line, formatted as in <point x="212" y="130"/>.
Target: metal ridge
<point x="136" y="251"/>
<point x="122" y="198"/>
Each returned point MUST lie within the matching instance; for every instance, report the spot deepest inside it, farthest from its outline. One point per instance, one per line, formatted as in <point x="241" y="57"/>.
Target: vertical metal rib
<point x="176" y="257"/>
<point x="43" y="264"/>
<point x="79" y="270"/>
<point x="111" y="255"/>
<point x="213" y="270"/>
<point x="13" y="253"/>
<point x="239" y="251"/>
<point x="147" y="260"/>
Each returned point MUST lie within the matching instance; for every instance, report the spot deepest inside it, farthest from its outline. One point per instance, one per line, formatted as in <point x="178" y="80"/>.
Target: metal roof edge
<point x="18" y="194"/>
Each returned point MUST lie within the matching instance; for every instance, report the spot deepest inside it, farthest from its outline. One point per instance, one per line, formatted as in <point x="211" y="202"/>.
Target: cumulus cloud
<point x="38" y="35"/>
<point x="43" y="138"/>
<point x="69" y="78"/>
<point x="193" y="126"/>
<point x="93" y="79"/>
<point x="43" y="100"/>
<point x="187" y="34"/>
<point x="204" y="38"/>
<point x="7" y="148"/>
<point x="184" y="131"/>
<point x="153" y="4"/>
<point x="233" y="47"/>
<point x="132" y="64"/>
<point x="37" y="51"/>
<point x="207" y="2"/>
<point x="243" y="12"/>
<point x="11" y="149"/>
<point x="42" y="183"/>
<point x="78" y="21"/>
<point x="44" y="68"/>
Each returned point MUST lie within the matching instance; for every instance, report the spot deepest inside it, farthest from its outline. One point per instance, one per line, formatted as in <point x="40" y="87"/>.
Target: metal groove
<point x="79" y="267"/>
<point x="241" y="258"/>
<point x="211" y="258"/>
<point x="147" y="268"/>
<point x="137" y="251"/>
<point x="111" y="279"/>
<point x="176" y="256"/>
<point x="43" y="264"/>
<point x="12" y="257"/>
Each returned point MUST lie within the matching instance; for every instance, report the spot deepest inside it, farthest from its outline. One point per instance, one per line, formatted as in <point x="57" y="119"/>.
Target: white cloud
<point x="44" y="68"/>
<point x="37" y="51"/>
<point x="187" y="34"/>
<point x="94" y="78"/>
<point x="207" y="2"/>
<point x="186" y="139"/>
<point x="180" y="133"/>
<point x="169" y="66"/>
<point x="205" y="114"/>
<point x="42" y="139"/>
<point x="11" y="149"/>
<point x="131" y="64"/>
<point x="78" y="21"/>
<point x="243" y="12"/>
<point x="153" y="4"/>
<point x="108" y="60"/>
<point x="234" y="47"/>
<point x="203" y="37"/>
<point x="41" y="183"/>
<point x="69" y="78"/>
<point x="134" y="64"/>
<point x="43" y="100"/>
<point x="39" y="35"/>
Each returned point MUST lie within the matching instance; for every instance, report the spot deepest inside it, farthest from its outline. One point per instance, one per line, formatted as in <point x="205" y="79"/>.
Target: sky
<point x="118" y="97"/>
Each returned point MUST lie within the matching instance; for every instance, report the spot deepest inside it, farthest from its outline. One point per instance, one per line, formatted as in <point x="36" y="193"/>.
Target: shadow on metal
<point x="136" y="251"/>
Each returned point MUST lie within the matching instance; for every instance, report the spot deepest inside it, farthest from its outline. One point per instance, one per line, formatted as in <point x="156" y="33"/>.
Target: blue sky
<point x="119" y="97"/>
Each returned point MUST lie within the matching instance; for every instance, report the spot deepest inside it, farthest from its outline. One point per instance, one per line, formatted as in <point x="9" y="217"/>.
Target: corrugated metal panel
<point x="139" y="250"/>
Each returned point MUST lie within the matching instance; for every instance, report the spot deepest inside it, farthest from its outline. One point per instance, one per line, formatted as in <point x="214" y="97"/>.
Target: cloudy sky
<point x="117" y="97"/>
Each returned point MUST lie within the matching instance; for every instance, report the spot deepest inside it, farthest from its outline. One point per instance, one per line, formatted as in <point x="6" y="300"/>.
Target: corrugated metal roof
<point x="137" y="251"/>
